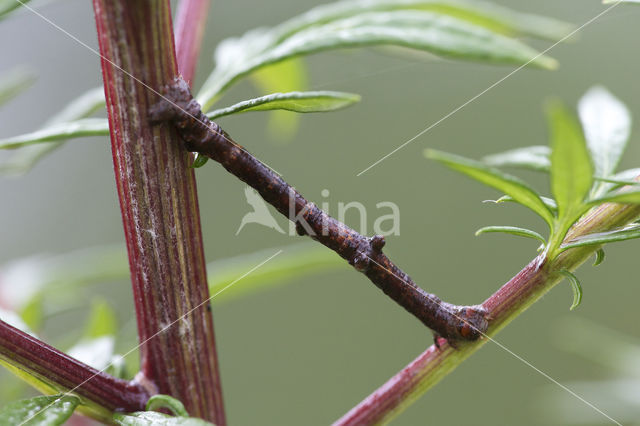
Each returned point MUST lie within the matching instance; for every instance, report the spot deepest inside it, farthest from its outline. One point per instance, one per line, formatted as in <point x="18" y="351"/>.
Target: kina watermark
<point x="386" y="217"/>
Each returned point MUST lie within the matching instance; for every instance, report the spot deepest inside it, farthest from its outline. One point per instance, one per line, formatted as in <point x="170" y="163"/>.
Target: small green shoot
<point x="157" y="402"/>
<point x="581" y="162"/>
<point x="575" y="286"/>
<point x="513" y="230"/>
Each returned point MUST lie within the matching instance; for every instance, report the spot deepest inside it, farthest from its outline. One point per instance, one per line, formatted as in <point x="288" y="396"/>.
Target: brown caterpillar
<point x="205" y="137"/>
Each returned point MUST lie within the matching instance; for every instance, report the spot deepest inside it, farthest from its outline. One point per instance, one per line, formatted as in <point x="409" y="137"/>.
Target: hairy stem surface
<point x="159" y="207"/>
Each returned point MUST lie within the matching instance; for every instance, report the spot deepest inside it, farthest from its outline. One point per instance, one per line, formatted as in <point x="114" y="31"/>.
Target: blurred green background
<point x="307" y="352"/>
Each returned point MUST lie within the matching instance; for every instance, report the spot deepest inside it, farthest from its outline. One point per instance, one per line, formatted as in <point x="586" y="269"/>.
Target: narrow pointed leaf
<point x="428" y="31"/>
<point x="304" y="102"/>
<point x="496" y="179"/>
<point x="489" y="15"/>
<point x="532" y="157"/>
<point x="549" y="202"/>
<point x="622" y="197"/>
<point x="39" y="411"/>
<point x="24" y="159"/>
<point x="628" y="174"/>
<point x="8" y="6"/>
<point x="513" y="230"/>
<point x="74" y="129"/>
<point x="625" y="177"/>
<point x="571" y="171"/>
<point x="575" y="287"/>
<point x="607" y="125"/>
<point x="617" y="182"/>
<point x="599" y="257"/>
<point x="621" y="234"/>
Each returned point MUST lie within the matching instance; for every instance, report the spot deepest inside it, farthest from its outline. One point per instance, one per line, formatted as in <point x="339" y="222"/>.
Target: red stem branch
<point x="158" y="200"/>
<point x="513" y="298"/>
<point x="59" y="370"/>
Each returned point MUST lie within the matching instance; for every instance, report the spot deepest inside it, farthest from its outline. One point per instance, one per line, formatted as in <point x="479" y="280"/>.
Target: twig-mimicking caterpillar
<point x="365" y="254"/>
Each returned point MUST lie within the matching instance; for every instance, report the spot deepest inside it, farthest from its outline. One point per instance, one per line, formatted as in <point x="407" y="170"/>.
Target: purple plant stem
<point x="191" y="20"/>
<point x="57" y="369"/>
<point x="159" y="207"/>
<point x="513" y="298"/>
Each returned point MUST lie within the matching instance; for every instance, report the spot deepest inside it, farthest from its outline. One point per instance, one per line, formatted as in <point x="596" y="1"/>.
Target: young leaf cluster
<point x="581" y="162"/>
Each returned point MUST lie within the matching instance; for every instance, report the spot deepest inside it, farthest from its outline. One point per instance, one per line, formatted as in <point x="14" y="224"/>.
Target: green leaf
<point x="296" y="261"/>
<point x="304" y="102"/>
<point x="549" y="202"/>
<point x="39" y="411"/>
<point x="73" y="129"/>
<point x="625" y="177"/>
<point x="607" y="125"/>
<point x="24" y="159"/>
<point x="15" y="81"/>
<point x="432" y="32"/>
<point x="513" y="230"/>
<point x="628" y="232"/>
<point x="532" y="157"/>
<point x="151" y="418"/>
<point x="621" y="197"/>
<point x="575" y="287"/>
<point x="617" y="182"/>
<point x="157" y="402"/>
<point x="488" y="15"/>
<point x="571" y="171"/>
<point x="494" y="178"/>
<point x="599" y="257"/>
<point x="7" y="6"/>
